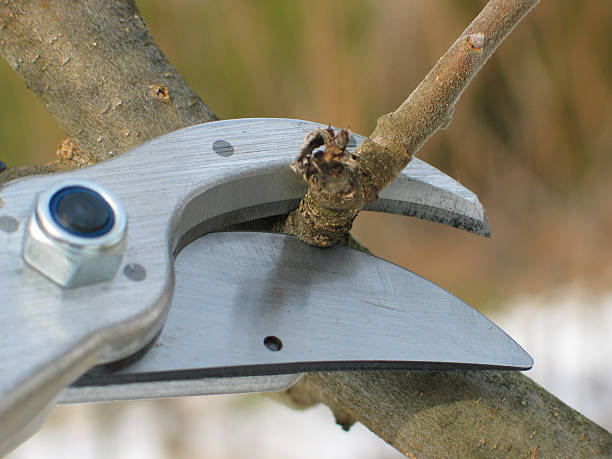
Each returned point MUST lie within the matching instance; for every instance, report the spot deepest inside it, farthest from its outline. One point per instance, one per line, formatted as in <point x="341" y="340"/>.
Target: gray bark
<point x="96" y="68"/>
<point x="457" y="414"/>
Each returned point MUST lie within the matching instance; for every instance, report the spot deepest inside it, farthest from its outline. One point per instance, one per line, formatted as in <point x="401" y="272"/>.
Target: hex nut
<point x="70" y="259"/>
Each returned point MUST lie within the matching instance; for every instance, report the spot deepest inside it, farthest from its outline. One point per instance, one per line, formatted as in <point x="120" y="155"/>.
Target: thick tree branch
<point x="457" y="414"/>
<point x="96" y="68"/>
<point x="324" y="215"/>
<point x="81" y="58"/>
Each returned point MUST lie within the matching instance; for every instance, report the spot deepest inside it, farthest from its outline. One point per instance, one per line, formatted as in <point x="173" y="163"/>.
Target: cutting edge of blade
<point x="422" y="191"/>
<point x="232" y="380"/>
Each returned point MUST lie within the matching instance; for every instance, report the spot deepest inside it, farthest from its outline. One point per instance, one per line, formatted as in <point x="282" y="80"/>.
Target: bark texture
<point x="96" y="68"/>
<point x="477" y="414"/>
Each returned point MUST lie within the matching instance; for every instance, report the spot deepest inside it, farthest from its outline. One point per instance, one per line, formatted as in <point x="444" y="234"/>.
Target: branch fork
<point x="323" y="220"/>
<point x="332" y="173"/>
<point x="340" y="183"/>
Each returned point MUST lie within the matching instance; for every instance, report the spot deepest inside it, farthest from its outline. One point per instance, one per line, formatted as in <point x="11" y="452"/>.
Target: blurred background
<point x="532" y="136"/>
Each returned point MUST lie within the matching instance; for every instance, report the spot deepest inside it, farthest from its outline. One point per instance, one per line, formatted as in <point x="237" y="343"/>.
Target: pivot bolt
<point x="82" y="212"/>
<point x="76" y="233"/>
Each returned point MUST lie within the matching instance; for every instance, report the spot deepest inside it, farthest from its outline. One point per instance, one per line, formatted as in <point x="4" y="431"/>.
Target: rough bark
<point x="81" y="58"/>
<point x="456" y="414"/>
<point x="96" y="68"/>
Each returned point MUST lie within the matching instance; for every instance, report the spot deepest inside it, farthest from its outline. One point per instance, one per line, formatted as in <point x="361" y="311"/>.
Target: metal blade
<point x="422" y="191"/>
<point x="256" y="304"/>
<point x="175" y="188"/>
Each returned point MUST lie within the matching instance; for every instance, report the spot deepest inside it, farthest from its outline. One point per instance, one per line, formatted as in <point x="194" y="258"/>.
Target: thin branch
<point x="324" y="217"/>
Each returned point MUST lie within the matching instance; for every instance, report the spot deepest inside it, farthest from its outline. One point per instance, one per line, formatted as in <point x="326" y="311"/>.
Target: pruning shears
<point x="116" y="284"/>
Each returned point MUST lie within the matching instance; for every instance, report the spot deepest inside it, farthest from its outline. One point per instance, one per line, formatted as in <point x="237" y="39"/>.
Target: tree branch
<point x="96" y="68"/>
<point x="456" y="414"/>
<point x="325" y="216"/>
<point x="81" y="58"/>
<point x="465" y="414"/>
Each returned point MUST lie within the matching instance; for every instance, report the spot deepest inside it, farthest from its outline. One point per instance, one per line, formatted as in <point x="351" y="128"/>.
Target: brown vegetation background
<point x="532" y="136"/>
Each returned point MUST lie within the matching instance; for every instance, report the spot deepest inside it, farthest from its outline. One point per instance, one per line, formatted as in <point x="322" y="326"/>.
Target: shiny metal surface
<point x="174" y="188"/>
<point x="177" y="387"/>
<point x="68" y="259"/>
<point x="424" y="192"/>
<point x="332" y="309"/>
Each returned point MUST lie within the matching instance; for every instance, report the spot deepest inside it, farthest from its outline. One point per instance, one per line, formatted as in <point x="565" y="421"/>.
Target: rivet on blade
<point x="8" y="224"/>
<point x="223" y="148"/>
<point x="135" y="272"/>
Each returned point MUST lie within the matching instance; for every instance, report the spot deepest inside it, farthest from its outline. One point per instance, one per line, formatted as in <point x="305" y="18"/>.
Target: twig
<point x="324" y="217"/>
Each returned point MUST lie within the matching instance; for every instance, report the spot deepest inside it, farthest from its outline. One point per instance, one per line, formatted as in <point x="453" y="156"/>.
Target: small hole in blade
<point x="273" y="343"/>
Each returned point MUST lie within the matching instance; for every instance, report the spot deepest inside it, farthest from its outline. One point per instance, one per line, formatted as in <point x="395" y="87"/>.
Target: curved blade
<point x="256" y="304"/>
<point x="422" y="191"/>
<point x="175" y="188"/>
